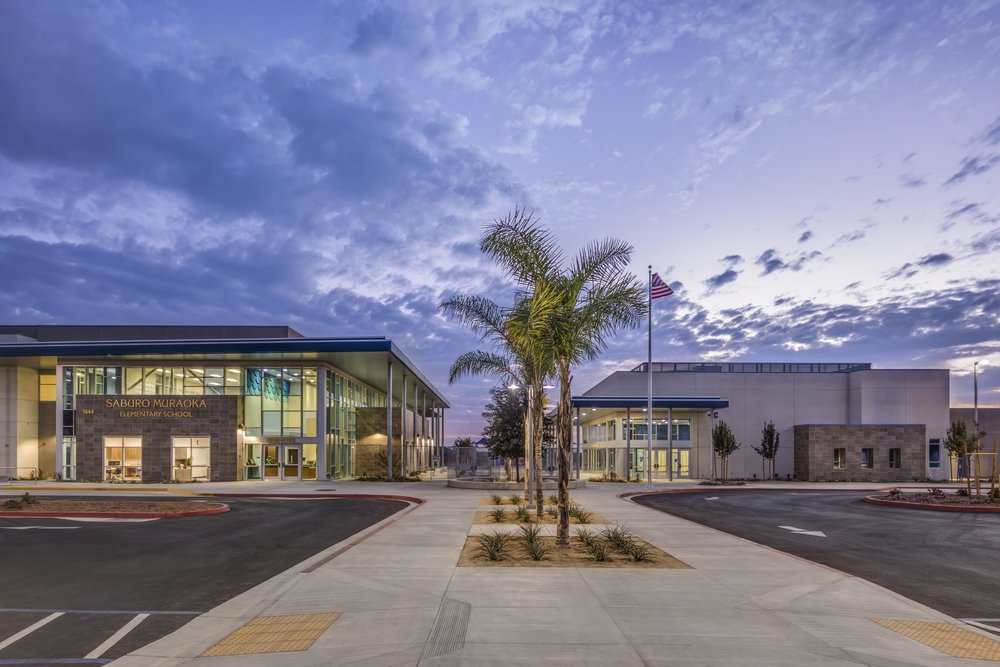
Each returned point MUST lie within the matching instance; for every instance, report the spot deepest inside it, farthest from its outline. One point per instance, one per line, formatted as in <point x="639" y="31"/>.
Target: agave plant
<point x="494" y="546"/>
<point x="498" y="515"/>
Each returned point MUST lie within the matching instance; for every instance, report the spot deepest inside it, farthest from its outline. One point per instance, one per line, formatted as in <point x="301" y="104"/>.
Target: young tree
<point x="960" y="443"/>
<point x="504" y="430"/>
<point x="724" y="444"/>
<point x="768" y="449"/>
<point x="463" y="442"/>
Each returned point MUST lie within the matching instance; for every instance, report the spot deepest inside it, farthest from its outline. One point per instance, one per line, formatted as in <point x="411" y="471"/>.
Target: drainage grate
<point x="450" y="627"/>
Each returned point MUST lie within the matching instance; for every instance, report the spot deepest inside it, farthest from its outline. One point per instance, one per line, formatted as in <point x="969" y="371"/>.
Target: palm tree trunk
<point x="538" y="424"/>
<point x="527" y="452"/>
<point x="565" y="442"/>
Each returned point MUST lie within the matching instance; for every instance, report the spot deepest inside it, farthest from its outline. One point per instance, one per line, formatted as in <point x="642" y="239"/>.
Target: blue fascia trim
<point x="658" y="402"/>
<point x="229" y="346"/>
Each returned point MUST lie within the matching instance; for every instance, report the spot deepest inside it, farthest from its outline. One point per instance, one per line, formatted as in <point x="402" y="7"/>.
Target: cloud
<point x="732" y="260"/>
<point x="724" y="278"/>
<point x="938" y="259"/>
<point x="991" y="135"/>
<point x="771" y="261"/>
<point x="850" y="237"/>
<point x="973" y="166"/>
<point x="905" y="271"/>
<point x="806" y="235"/>
<point x="911" y="181"/>
<point x="652" y="110"/>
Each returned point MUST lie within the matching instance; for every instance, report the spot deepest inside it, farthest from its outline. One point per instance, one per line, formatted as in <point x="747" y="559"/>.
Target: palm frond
<point x="478" y="313"/>
<point x="600" y="261"/>
<point x="527" y="252"/>
<point x="480" y="362"/>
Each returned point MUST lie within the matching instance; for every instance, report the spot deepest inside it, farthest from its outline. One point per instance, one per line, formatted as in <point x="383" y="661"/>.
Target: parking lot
<point x="945" y="560"/>
<point x="87" y="592"/>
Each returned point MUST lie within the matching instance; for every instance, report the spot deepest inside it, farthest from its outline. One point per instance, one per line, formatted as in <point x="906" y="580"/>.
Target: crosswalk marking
<point x="115" y="638"/>
<point x="28" y="630"/>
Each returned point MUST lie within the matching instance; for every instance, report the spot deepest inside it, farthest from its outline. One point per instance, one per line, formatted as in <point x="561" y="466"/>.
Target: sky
<point x="817" y="181"/>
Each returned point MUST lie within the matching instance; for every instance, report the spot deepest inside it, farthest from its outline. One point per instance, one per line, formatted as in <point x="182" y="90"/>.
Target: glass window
<point x="191" y="456"/>
<point x="895" y="458"/>
<point x="251" y="414"/>
<point x="123" y="458"/>
<point x="133" y="381"/>
<point x="252" y="385"/>
<point x="271" y="422"/>
<point x="214" y="381"/>
<point x="934" y="453"/>
<point x="233" y="382"/>
<point x="867" y="457"/>
<point x="113" y="381"/>
<point x="271" y="389"/>
<point x="194" y="381"/>
<point x="839" y="458"/>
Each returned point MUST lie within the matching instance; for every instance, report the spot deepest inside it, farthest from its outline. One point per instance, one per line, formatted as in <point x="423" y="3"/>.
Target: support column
<point x="628" y="444"/>
<point x="670" y="442"/>
<point x="579" y="443"/>
<point x="322" y="462"/>
<point x="60" y="447"/>
<point x="402" y="432"/>
<point x="388" y="425"/>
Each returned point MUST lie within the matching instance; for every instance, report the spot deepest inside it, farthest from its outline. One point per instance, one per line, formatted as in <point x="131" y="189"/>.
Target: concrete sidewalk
<point x="404" y="602"/>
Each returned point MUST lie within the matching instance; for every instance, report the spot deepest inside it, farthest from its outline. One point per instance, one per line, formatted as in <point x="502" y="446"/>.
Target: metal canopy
<point x="364" y="358"/>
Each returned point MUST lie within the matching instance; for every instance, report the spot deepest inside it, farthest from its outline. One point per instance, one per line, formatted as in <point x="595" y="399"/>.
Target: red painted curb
<point x="713" y="489"/>
<point x="327" y="496"/>
<point x="975" y="509"/>
<point x="114" y="515"/>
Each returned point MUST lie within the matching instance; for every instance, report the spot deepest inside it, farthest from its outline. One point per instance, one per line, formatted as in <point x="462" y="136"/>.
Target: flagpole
<point x="649" y="381"/>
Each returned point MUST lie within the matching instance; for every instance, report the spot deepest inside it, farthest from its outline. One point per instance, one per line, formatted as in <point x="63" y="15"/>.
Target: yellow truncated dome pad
<point x="947" y="638"/>
<point x="274" y="634"/>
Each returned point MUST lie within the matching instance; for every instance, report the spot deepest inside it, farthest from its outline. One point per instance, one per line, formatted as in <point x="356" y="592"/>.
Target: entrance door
<point x="272" y="467"/>
<point x="682" y="463"/>
<point x="291" y="462"/>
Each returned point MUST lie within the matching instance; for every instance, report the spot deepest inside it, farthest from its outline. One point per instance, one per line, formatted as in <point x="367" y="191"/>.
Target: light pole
<point x="975" y="395"/>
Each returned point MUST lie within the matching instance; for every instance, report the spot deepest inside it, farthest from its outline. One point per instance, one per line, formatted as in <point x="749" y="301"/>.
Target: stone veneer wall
<point x="814" y="445"/>
<point x="218" y="420"/>
<point x="371" y="442"/>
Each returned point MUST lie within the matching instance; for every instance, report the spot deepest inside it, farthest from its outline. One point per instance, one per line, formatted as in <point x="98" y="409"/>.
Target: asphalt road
<point x="99" y="576"/>
<point x="948" y="561"/>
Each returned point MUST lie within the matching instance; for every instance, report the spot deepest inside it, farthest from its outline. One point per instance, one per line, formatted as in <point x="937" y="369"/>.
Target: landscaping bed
<point x="938" y="499"/>
<point x="510" y="517"/>
<point x="587" y="549"/>
<point x="32" y="506"/>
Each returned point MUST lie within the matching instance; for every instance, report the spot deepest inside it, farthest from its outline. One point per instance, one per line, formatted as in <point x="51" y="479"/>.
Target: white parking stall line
<point x="115" y="638"/>
<point x="28" y="630"/>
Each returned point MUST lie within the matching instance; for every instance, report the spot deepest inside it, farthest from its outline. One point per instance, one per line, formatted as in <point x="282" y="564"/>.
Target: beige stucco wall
<point x="863" y="397"/>
<point x="18" y="421"/>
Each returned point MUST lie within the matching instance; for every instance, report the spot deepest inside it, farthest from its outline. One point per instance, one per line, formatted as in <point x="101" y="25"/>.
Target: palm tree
<point x="596" y="297"/>
<point x="514" y="332"/>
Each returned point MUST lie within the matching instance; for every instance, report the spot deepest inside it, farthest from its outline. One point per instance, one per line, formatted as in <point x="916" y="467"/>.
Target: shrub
<point x="551" y="511"/>
<point x="640" y="552"/>
<point x="515" y="499"/>
<point x="494" y="546"/>
<point x="522" y="514"/>
<point x="599" y="551"/>
<point x="552" y="500"/>
<point x="537" y="550"/>
<point x="585" y="536"/>
<point x="29" y="499"/>
<point x="531" y="532"/>
<point x="496" y="499"/>
<point x="895" y="494"/>
<point x="935" y="492"/>
<point x="498" y="515"/>
<point x="619" y="537"/>
<point x="13" y="504"/>
<point x="581" y="515"/>
<point x="962" y="492"/>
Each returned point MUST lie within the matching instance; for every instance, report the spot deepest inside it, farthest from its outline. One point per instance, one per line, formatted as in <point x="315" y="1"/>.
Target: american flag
<point x="658" y="288"/>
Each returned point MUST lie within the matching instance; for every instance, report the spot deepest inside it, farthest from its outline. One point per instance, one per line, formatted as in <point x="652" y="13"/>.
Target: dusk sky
<point x="817" y="181"/>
